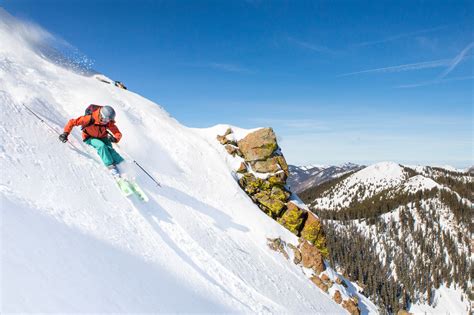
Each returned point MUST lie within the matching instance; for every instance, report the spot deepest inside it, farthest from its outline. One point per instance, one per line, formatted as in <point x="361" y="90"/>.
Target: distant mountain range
<point x="404" y="233"/>
<point x="305" y="177"/>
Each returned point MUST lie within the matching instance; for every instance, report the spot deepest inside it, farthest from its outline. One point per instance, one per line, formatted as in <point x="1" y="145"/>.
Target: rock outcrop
<point x="337" y="297"/>
<point x="261" y="155"/>
<point x="262" y="174"/>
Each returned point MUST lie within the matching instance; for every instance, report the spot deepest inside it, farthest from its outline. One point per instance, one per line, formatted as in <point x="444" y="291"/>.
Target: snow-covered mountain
<point x="404" y="233"/>
<point x="304" y="177"/>
<point x="71" y="242"/>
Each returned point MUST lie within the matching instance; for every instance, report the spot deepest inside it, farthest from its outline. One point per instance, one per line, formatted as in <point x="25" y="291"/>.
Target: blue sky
<point x="359" y="81"/>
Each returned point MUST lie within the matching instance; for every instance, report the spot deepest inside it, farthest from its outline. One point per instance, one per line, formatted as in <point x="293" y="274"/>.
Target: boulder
<point x="269" y="165"/>
<point x="273" y="205"/>
<point x="337" y="297"/>
<point x="351" y="307"/>
<point x="317" y="281"/>
<point x="250" y="183"/>
<point x="404" y="312"/>
<point x="292" y="219"/>
<point x="313" y="232"/>
<point x="242" y="168"/>
<point x="325" y="277"/>
<point x="258" y="145"/>
<point x="280" y="193"/>
<point x="311" y="257"/>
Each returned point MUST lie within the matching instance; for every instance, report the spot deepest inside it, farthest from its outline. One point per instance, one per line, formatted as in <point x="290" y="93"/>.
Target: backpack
<point x="89" y="110"/>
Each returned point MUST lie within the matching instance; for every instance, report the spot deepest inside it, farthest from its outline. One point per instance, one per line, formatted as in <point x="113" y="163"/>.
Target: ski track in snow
<point x="72" y="243"/>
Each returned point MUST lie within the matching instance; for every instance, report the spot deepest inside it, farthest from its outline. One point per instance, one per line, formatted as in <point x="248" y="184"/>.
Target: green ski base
<point x="130" y="188"/>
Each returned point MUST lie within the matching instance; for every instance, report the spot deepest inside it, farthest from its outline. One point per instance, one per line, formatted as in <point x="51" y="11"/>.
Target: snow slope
<point x="363" y="184"/>
<point x="70" y="242"/>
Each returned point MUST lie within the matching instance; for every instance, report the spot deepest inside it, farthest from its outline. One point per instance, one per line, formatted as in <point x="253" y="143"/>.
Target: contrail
<point x="405" y="67"/>
<point x="456" y="60"/>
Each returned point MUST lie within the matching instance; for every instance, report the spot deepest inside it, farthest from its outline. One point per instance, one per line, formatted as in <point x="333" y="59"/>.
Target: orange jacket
<point x="95" y="130"/>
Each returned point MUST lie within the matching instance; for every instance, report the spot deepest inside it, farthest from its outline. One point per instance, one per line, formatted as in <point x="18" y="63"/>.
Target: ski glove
<point x="63" y="137"/>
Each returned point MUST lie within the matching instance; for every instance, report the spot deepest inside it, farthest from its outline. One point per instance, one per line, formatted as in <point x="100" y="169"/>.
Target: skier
<point x="95" y="123"/>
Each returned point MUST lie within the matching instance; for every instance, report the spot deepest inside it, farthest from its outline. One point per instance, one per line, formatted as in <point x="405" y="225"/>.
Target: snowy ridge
<point x="420" y="182"/>
<point x="362" y="185"/>
<point x="72" y="243"/>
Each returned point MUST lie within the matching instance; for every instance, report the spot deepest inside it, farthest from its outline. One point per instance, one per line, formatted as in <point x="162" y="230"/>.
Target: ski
<point x="131" y="188"/>
<point x="138" y="192"/>
<point x="124" y="186"/>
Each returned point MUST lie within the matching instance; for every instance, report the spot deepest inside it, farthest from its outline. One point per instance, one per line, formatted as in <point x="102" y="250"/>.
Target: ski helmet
<point x="107" y="113"/>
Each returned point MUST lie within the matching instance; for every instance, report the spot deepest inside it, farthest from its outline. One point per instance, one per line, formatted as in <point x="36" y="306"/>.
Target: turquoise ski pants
<point x="105" y="150"/>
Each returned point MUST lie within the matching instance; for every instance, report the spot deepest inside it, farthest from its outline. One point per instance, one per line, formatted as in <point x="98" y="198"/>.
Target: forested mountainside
<point x="404" y="233"/>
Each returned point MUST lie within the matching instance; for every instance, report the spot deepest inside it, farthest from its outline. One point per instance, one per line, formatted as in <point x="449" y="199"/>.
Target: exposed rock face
<point x="271" y="165"/>
<point x="273" y="205"/>
<point x="351" y="307"/>
<point x="311" y="257"/>
<point x="337" y="297"/>
<point x="292" y="219"/>
<point x="313" y="232"/>
<point x="258" y="145"/>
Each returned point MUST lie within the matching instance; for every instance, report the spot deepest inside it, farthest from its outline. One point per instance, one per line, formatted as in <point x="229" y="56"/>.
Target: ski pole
<point x="138" y="164"/>
<point x="48" y="125"/>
